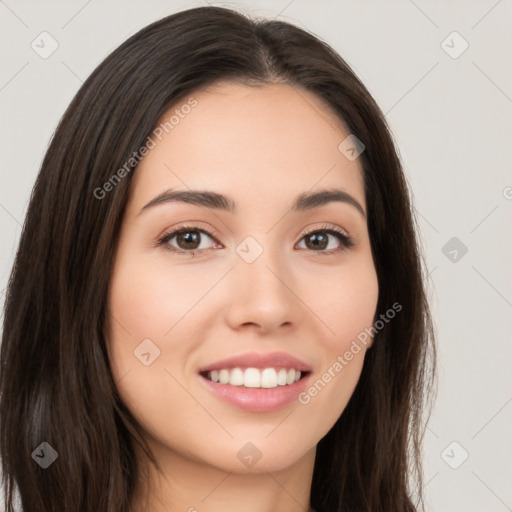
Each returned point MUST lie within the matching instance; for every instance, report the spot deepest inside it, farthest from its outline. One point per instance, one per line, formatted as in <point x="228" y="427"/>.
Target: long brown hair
<point x="56" y="384"/>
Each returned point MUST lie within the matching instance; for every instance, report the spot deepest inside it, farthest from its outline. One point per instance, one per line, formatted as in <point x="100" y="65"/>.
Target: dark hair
<point x="56" y="383"/>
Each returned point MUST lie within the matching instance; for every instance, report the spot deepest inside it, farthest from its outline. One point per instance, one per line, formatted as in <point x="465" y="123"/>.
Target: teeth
<point x="268" y="378"/>
<point x="252" y="378"/>
<point x="255" y="378"/>
<point x="282" y="377"/>
<point x="237" y="377"/>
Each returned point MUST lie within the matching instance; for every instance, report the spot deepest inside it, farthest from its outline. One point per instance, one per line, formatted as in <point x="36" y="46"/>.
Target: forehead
<point x="274" y="140"/>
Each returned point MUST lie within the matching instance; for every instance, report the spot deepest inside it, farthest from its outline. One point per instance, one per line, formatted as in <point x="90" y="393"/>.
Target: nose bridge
<point x="261" y="265"/>
<point x="261" y="287"/>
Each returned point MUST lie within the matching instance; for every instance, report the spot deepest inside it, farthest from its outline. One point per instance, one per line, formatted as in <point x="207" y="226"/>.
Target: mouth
<point x="257" y="382"/>
<point x="251" y="394"/>
<point x="255" y="378"/>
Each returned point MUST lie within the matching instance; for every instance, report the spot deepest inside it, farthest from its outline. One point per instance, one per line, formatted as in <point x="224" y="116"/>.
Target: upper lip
<point x="255" y="360"/>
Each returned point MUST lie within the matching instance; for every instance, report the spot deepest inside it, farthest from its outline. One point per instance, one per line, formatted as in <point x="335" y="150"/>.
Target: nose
<point x="262" y="295"/>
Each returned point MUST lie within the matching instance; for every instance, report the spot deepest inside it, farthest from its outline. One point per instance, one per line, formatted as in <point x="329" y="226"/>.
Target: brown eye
<point x="188" y="240"/>
<point x="319" y="240"/>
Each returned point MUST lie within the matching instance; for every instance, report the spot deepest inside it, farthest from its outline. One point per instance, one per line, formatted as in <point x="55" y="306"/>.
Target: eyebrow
<point x="209" y="199"/>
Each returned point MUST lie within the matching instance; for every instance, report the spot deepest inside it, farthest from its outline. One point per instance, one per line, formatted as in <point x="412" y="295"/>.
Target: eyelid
<point x="325" y="226"/>
<point x="192" y="225"/>
<point x="170" y="233"/>
<point x="345" y="239"/>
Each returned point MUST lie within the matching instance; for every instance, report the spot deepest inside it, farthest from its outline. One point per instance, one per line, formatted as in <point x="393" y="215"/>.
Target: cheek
<point x="150" y="300"/>
<point x="144" y="346"/>
<point x="347" y="307"/>
<point x="152" y="331"/>
<point x="346" y="302"/>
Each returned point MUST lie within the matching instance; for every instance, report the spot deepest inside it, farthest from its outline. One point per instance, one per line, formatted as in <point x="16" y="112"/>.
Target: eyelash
<point x="346" y="241"/>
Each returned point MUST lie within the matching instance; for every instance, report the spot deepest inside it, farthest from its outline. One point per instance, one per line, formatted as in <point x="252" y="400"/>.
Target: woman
<point x="217" y="302"/>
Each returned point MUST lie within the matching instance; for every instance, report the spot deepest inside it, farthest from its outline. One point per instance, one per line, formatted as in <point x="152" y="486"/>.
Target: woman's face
<point x="270" y="283"/>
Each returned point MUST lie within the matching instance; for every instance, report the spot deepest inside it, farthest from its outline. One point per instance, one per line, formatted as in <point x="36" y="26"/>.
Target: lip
<point x="260" y="361"/>
<point x="257" y="399"/>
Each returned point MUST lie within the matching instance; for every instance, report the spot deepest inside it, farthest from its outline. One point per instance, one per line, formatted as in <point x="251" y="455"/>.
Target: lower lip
<point x="257" y="399"/>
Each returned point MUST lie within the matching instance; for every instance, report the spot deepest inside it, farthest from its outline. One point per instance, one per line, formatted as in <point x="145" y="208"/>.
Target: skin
<point x="262" y="147"/>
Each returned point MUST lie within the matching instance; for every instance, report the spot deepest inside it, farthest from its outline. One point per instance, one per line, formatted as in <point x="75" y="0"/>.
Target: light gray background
<point x="452" y="121"/>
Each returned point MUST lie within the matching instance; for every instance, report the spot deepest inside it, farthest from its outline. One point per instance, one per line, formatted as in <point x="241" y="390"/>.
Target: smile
<point x="255" y="377"/>
<point x="252" y="395"/>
